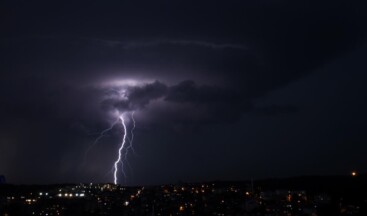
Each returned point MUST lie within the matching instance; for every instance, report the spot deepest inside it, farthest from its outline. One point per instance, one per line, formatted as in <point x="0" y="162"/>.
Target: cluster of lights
<point x="30" y="201"/>
<point x="71" y="195"/>
<point x="43" y="194"/>
<point x="290" y="200"/>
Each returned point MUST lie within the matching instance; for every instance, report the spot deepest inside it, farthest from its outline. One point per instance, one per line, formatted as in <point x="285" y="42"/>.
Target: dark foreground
<point x="331" y="196"/>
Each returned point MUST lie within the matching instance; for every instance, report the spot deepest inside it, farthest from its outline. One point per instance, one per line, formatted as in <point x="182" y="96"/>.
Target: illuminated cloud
<point x="209" y="100"/>
<point x="127" y="98"/>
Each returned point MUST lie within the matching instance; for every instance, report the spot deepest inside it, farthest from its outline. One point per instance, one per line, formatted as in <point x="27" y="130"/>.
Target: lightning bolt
<point x="132" y="136"/>
<point x="123" y="150"/>
<point x="132" y="130"/>
<point x="130" y="146"/>
<point x="120" y="150"/>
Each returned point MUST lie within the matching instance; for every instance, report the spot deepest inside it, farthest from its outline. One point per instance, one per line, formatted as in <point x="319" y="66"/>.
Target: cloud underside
<point x="203" y="102"/>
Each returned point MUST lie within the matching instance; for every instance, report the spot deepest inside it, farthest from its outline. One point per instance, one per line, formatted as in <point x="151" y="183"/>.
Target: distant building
<point x="2" y="179"/>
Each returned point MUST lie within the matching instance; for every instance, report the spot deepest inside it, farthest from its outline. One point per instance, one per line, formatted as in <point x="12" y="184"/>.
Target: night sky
<point x="220" y="90"/>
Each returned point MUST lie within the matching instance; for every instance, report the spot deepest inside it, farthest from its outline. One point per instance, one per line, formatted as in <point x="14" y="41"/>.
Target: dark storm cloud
<point x="213" y="97"/>
<point x="212" y="104"/>
<point x="188" y="91"/>
<point x="141" y="96"/>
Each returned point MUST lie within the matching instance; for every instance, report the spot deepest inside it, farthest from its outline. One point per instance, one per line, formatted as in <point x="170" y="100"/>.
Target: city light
<point x="176" y="199"/>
